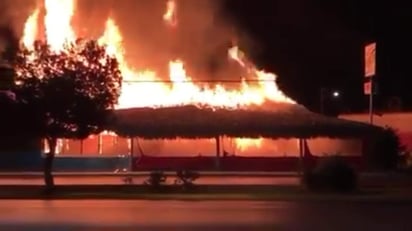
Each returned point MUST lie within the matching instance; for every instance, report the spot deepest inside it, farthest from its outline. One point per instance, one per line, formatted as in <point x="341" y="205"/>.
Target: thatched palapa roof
<point x="281" y="121"/>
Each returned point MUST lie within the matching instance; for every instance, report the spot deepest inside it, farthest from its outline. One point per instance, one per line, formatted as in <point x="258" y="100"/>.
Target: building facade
<point x="401" y="122"/>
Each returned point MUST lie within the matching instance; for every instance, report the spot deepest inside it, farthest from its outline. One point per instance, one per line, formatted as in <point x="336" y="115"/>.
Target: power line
<point x="199" y="81"/>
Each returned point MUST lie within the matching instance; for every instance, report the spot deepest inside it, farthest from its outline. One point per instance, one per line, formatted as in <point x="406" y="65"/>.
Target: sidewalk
<point x="139" y="178"/>
<point x="199" y="192"/>
<point x="370" y="180"/>
<point x="146" y="173"/>
<point x="172" y="173"/>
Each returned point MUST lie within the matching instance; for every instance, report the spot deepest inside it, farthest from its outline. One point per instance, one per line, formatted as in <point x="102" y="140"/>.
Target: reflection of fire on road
<point x="145" y="88"/>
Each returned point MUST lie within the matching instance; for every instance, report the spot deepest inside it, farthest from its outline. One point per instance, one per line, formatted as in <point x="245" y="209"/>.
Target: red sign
<point x="367" y="88"/>
<point x="370" y="60"/>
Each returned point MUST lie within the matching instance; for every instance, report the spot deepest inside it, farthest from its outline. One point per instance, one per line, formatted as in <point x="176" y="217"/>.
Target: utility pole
<point x="371" y="101"/>
<point x="321" y="100"/>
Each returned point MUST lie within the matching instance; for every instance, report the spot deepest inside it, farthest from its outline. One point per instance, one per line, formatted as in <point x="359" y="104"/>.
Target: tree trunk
<point x="48" y="164"/>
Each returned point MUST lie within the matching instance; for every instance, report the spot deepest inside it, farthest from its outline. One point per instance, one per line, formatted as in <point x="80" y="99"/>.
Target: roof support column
<point x="301" y="153"/>
<point x="218" y="153"/>
<point x="81" y="146"/>
<point x="131" y="151"/>
<point x="100" y="144"/>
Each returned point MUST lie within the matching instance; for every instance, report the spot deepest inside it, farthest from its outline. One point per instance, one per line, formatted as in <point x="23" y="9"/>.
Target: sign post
<point x="370" y="72"/>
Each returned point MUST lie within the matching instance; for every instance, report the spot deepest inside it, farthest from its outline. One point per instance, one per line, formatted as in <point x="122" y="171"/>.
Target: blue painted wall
<point x="20" y="161"/>
<point x="90" y="164"/>
<point x="33" y="161"/>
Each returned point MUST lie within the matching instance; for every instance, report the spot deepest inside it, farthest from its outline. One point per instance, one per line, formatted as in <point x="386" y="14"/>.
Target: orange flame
<point x="144" y="88"/>
<point x="30" y="30"/>
<point x="243" y="144"/>
<point x="170" y="16"/>
<point x="58" y="19"/>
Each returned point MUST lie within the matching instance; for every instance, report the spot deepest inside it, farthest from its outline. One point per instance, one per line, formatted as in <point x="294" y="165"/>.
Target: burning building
<point x="245" y="114"/>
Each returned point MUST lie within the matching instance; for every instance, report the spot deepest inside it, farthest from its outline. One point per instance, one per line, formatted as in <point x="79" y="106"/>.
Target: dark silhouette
<point x="186" y="178"/>
<point x="71" y="92"/>
<point x="11" y="44"/>
<point x="332" y="174"/>
<point x="156" y="179"/>
<point x="386" y="151"/>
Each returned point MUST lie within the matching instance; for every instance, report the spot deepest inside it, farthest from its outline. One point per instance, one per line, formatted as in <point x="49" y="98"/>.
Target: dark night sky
<point x="313" y="44"/>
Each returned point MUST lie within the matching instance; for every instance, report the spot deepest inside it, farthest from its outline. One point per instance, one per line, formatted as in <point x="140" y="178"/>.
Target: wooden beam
<point x="218" y="152"/>
<point x="131" y="152"/>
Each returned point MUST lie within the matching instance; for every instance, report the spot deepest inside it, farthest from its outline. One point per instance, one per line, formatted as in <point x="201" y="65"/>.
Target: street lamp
<point x="326" y="93"/>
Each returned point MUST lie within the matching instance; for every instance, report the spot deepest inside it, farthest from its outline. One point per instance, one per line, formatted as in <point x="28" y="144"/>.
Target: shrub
<point x="332" y="174"/>
<point x="387" y="151"/>
<point x="156" y="179"/>
<point x="186" y="178"/>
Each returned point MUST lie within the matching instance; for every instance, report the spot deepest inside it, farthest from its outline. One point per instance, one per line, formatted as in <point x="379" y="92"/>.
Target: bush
<point x="186" y="178"/>
<point x="156" y="179"/>
<point x="387" y="151"/>
<point x="333" y="175"/>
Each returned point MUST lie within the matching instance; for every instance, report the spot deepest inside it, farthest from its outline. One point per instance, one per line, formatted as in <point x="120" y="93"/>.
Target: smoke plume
<point x="201" y="38"/>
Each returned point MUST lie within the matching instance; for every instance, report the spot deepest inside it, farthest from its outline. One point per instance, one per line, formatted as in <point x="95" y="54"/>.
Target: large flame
<point x="243" y="144"/>
<point x="30" y="30"/>
<point x="170" y="16"/>
<point x="144" y="88"/>
<point x="58" y="19"/>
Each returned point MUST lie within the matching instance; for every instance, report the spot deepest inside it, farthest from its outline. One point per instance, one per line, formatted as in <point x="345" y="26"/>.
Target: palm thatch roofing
<point x="280" y="121"/>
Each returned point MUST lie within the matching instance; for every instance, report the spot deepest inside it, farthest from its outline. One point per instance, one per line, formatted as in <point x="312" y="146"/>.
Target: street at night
<point x="94" y="215"/>
<point x="205" y="115"/>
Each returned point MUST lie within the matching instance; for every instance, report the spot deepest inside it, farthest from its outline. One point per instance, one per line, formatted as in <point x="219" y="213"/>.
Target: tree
<point x="72" y="91"/>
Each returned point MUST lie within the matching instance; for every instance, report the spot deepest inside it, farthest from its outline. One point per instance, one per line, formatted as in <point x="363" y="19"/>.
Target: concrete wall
<point x="400" y="122"/>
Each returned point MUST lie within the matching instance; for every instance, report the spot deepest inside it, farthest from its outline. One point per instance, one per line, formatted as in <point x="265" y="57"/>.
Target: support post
<point x="81" y="147"/>
<point x="322" y="100"/>
<point x="100" y="144"/>
<point x="131" y="151"/>
<point x="300" y="156"/>
<point x="371" y="101"/>
<point x="217" y="162"/>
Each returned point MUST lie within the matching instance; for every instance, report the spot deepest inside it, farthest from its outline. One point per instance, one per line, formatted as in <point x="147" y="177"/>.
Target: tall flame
<point x="113" y="40"/>
<point x="170" y="16"/>
<point x="144" y="88"/>
<point x="30" y="30"/>
<point x="58" y="19"/>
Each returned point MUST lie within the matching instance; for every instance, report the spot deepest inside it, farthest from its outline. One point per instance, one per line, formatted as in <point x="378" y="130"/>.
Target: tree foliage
<point x="70" y="90"/>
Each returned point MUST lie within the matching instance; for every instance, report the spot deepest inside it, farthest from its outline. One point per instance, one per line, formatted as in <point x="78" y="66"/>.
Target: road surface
<point x="91" y="215"/>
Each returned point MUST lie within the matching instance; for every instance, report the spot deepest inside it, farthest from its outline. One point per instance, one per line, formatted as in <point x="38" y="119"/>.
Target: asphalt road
<point x="91" y="215"/>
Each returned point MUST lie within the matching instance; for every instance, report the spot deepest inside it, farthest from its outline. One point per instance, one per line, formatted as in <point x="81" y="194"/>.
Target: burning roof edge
<point x="287" y="121"/>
